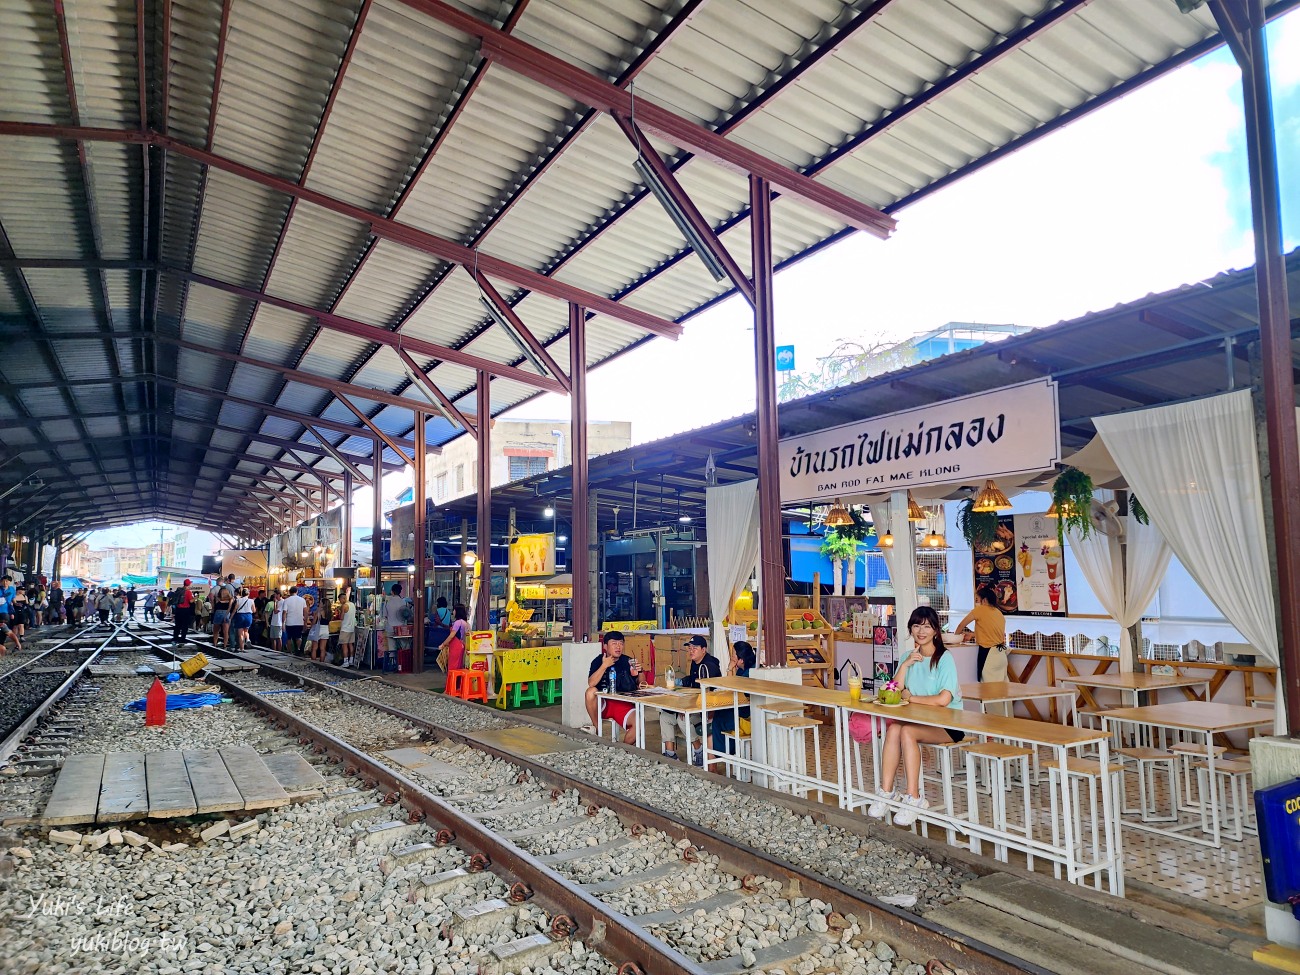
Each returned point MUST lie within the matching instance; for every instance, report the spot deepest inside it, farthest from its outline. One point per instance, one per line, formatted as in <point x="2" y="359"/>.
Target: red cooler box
<point x="404" y="661"/>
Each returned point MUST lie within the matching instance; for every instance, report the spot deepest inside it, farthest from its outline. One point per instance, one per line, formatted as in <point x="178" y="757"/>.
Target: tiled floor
<point x="1229" y="877"/>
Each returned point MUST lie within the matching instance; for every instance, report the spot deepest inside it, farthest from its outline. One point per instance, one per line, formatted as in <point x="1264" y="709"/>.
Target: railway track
<point x="29" y="689"/>
<point x="683" y="886"/>
<point x="482" y="855"/>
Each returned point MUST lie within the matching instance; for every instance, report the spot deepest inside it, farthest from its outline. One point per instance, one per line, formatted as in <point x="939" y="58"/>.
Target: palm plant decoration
<point x="1135" y="508"/>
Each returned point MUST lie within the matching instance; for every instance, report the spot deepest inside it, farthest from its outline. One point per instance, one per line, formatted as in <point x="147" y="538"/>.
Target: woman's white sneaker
<point x="878" y="809"/>
<point x="907" y="815"/>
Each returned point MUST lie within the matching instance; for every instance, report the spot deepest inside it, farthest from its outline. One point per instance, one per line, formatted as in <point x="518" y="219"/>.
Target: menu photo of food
<point x="995" y="566"/>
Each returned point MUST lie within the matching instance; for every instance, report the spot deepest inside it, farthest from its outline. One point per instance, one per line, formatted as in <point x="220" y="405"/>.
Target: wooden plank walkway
<point x="170" y="792"/>
<point x="253" y="779"/>
<point x="295" y="774"/>
<point x="76" y="793"/>
<point x="121" y="786"/>
<point x="214" y="789"/>
<point x="122" y="792"/>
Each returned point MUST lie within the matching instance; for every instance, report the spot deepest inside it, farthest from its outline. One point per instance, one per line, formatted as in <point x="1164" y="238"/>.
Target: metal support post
<point x="579" y="536"/>
<point x="771" y="561"/>
<point x="1242" y="23"/>
<point x="421" y="550"/>
<point x="345" y="543"/>
<point x="593" y="561"/>
<point x="483" y="530"/>
<point x="377" y="525"/>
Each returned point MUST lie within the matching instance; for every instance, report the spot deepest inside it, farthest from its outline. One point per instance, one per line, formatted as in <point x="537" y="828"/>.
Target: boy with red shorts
<point x="612" y="672"/>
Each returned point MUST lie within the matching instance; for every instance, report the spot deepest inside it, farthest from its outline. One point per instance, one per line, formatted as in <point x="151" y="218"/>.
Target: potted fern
<point x="979" y="528"/>
<point x="1072" y="498"/>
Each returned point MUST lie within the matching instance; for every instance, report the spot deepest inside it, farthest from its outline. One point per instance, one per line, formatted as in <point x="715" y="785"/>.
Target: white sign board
<point x="1013" y="430"/>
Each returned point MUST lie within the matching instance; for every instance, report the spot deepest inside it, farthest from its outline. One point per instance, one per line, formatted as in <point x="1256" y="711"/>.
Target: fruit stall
<point x="809" y="642"/>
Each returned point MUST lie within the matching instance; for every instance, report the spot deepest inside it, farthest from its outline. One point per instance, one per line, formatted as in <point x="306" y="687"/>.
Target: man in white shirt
<point x="295" y="614"/>
<point x="395" y="608"/>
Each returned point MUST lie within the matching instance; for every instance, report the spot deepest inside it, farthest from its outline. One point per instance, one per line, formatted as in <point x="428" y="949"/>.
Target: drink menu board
<point x="1040" y="567"/>
<point x="1024" y="566"/>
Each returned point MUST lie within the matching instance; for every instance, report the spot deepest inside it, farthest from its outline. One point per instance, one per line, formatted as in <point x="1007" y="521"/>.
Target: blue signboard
<point x="785" y="358"/>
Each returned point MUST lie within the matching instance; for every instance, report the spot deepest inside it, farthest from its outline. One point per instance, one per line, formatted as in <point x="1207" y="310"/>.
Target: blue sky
<point x="1139" y="197"/>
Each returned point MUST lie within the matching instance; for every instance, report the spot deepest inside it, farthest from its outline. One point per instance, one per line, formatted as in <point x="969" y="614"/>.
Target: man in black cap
<point x="703" y="666"/>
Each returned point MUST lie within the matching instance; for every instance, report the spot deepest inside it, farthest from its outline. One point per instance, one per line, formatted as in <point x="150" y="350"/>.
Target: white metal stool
<point x="774" y="739"/>
<point x="792" y="729"/>
<point x="1189" y="752"/>
<point x="1144" y="764"/>
<point x="997" y="758"/>
<point x="943" y="751"/>
<point x="1234" y="796"/>
<point x="1103" y="841"/>
<point x="741" y="747"/>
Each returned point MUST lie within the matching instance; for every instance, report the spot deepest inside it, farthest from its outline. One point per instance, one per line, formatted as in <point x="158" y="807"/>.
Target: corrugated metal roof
<point x="378" y="104"/>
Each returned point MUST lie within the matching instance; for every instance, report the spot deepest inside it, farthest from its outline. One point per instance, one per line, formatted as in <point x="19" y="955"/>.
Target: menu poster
<point x="1040" y="567"/>
<point x="995" y="565"/>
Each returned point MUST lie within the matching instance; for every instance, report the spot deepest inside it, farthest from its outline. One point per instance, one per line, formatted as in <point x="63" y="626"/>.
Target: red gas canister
<point x="155" y="705"/>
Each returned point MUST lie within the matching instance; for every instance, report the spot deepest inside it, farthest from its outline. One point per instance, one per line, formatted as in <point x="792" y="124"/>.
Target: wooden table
<point x="1008" y="692"/>
<point x="685" y="701"/>
<point x="1134" y="684"/>
<point x="1061" y="738"/>
<point x="1204" y="718"/>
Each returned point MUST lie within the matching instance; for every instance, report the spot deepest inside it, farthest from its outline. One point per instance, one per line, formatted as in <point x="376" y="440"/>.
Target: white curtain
<point x="1195" y="468"/>
<point x="731" y="512"/>
<point x="889" y="513"/>
<point x="1124" y="595"/>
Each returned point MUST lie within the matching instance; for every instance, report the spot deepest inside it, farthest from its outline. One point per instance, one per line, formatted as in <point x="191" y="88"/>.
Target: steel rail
<point x="923" y="937"/>
<point x="11" y="741"/>
<point x="600" y="927"/>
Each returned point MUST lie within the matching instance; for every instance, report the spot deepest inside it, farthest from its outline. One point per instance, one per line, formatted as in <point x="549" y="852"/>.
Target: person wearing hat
<point x="703" y="666"/>
<point x="183" y="613"/>
<point x="612" y="672"/>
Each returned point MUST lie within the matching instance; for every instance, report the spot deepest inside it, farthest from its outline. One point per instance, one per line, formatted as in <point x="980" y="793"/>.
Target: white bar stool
<point x="997" y="759"/>
<point x="742" y="748"/>
<point x="1145" y="763"/>
<point x="1234" y="794"/>
<point x="1189" y="752"/>
<point x="943" y="752"/>
<point x="795" y="747"/>
<point x="1101" y="840"/>
<point x="774" y="739"/>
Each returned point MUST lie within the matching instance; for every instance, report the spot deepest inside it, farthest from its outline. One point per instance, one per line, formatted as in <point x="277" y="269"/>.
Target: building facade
<point x="520" y="448"/>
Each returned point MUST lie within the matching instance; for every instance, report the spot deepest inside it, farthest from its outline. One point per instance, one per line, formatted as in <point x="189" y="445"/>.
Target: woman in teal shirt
<point x="928" y="676"/>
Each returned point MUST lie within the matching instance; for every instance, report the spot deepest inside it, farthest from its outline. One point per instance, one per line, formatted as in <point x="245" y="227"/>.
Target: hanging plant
<point x="979" y="528"/>
<point x="1138" y="512"/>
<point x="1072" y="495"/>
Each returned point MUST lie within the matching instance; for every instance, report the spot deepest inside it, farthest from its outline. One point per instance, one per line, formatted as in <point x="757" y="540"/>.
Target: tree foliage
<point x="851" y="361"/>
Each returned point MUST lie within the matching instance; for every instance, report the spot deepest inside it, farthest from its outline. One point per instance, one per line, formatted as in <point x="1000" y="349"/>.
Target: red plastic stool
<point x="475" y="686"/>
<point x="458" y="682"/>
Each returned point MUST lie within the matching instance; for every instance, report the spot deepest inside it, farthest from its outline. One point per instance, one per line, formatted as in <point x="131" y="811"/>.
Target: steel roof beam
<point x="291" y="415"/>
<point x="429" y="386"/>
<point x="507" y="312"/>
<point x="440" y="247"/>
<point x="392" y="444"/>
<point x="335" y="386"/>
<point x="689" y="211"/>
<point x="374" y="333"/>
<point x="559" y="75"/>
<point x="344" y="462"/>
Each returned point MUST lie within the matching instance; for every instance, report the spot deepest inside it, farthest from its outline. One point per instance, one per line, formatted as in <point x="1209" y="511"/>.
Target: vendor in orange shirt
<point x="990" y="635"/>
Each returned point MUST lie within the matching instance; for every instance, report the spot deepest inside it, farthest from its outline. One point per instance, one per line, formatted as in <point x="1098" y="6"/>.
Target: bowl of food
<point x="1003" y="563"/>
<point x="984" y="567"/>
<point x="953" y="639"/>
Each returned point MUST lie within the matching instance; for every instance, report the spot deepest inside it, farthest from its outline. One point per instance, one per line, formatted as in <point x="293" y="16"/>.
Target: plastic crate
<point x="405" y="631"/>
<point x="389" y="661"/>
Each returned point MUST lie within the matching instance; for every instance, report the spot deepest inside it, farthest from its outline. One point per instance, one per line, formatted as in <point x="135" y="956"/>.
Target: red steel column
<point x="579" y="537"/>
<point x="421" y="550"/>
<point x="345" y="543"/>
<point x="377" y="521"/>
<point x="771" y="573"/>
<point x="483" y="530"/>
<point x="1275" y="350"/>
